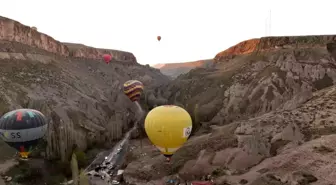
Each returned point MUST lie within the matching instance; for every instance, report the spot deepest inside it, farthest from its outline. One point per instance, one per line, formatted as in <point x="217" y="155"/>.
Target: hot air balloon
<point x="168" y="128"/>
<point x="158" y="38"/>
<point x="107" y="58"/>
<point x="22" y="129"/>
<point x="133" y="89"/>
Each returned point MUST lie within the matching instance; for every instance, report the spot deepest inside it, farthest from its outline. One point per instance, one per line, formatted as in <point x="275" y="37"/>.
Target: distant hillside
<point x="175" y="69"/>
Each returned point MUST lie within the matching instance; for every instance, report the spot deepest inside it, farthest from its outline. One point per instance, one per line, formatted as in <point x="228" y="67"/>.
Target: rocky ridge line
<point x="271" y="43"/>
<point x="14" y="31"/>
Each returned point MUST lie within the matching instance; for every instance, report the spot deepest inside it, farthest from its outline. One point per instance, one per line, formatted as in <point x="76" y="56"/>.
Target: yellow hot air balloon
<point x="168" y="128"/>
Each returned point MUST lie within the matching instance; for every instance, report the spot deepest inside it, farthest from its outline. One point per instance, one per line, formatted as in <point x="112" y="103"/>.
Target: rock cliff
<point x="14" y="31"/>
<point x="262" y="115"/>
<point x="273" y="43"/>
<point x="250" y="79"/>
<point x="175" y="69"/>
<point x="80" y="94"/>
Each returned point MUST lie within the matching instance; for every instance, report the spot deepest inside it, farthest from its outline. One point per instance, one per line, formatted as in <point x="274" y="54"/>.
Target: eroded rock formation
<point x="254" y="83"/>
<point x="81" y="96"/>
<point x="262" y="115"/>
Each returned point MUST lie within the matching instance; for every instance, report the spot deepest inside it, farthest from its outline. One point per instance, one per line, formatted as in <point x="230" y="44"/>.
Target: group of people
<point x="106" y="169"/>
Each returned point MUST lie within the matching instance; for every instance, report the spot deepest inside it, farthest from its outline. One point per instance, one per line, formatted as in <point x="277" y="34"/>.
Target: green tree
<point x="74" y="169"/>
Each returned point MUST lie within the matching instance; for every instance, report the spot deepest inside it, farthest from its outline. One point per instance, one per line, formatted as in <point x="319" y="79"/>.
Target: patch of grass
<point x="219" y="172"/>
<point x="23" y="173"/>
<point x="63" y="167"/>
<point x="81" y="159"/>
<point x="55" y="179"/>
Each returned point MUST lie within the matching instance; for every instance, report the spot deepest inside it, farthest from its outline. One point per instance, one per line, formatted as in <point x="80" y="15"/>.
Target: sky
<point x="190" y="29"/>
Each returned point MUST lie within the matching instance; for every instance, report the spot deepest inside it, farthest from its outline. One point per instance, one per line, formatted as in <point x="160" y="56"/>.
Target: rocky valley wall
<point x="260" y="113"/>
<point x="255" y="77"/>
<point x="273" y="43"/>
<point x="80" y="95"/>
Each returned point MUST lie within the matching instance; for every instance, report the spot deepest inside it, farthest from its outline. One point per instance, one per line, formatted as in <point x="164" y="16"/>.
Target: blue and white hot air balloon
<point x="22" y="129"/>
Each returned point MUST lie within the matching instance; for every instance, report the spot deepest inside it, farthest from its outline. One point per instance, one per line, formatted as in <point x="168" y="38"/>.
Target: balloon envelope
<point x="107" y="58"/>
<point x="168" y="128"/>
<point x="158" y="38"/>
<point x="22" y="129"/>
<point x="133" y="89"/>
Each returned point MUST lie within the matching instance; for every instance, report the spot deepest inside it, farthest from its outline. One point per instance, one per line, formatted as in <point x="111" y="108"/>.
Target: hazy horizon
<point x="190" y="30"/>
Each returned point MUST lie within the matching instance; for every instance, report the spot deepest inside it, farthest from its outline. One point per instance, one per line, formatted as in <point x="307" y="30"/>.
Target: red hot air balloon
<point x="107" y="58"/>
<point x="158" y="38"/>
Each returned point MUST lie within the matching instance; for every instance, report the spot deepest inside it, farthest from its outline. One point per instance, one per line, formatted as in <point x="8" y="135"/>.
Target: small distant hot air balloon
<point x="107" y="58"/>
<point x="158" y="38"/>
<point x="168" y="127"/>
<point x="133" y="89"/>
<point x="22" y="129"/>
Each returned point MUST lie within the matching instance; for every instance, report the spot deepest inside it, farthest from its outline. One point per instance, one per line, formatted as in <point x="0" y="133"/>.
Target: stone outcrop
<point x="272" y="43"/>
<point x="14" y="31"/>
<point x="82" y="51"/>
